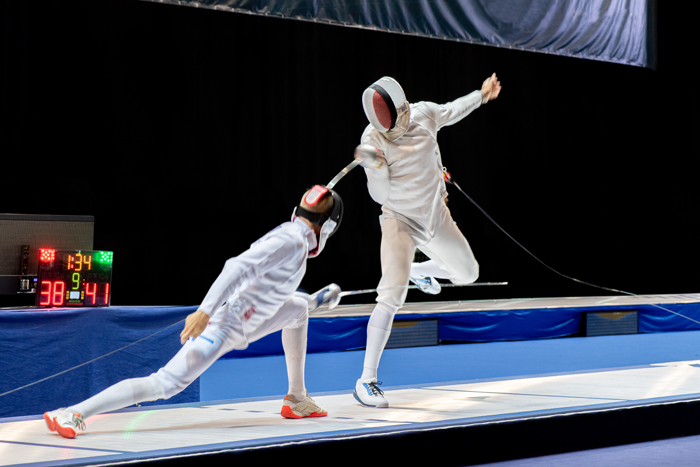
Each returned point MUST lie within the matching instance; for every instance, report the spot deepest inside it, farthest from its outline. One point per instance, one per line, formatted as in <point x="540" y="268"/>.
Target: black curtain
<point x="189" y="133"/>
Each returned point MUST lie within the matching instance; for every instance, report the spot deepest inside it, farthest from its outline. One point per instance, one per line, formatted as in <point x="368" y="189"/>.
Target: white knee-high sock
<point x="378" y="331"/>
<point x="123" y="394"/>
<point x="294" y="343"/>
<point x="429" y="268"/>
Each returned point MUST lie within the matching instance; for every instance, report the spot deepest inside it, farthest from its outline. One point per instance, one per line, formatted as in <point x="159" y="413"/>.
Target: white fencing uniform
<point x="258" y="287"/>
<point x="411" y="190"/>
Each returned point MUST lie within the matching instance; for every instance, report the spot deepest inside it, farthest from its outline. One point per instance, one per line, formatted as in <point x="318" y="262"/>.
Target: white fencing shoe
<point x="67" y="424"/>
<point x="368" y="393"/>
<point x="294" y="408"/>
<point x="426" y="284"/>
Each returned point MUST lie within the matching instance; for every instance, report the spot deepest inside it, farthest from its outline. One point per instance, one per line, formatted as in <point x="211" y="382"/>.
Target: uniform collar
<point x="308" y="233"/>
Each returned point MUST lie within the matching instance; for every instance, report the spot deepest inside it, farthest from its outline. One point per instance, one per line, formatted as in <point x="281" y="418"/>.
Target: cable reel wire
<point x="448" y="178"/>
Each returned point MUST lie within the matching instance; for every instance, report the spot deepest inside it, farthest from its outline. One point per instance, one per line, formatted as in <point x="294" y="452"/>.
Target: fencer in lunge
<point x="254" y="295"/>
<point x="406" y="178"/>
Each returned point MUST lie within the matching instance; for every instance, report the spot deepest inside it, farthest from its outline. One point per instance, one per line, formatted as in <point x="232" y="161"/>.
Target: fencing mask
<point x="329" y="223"/>
<point x="386" y="108"/>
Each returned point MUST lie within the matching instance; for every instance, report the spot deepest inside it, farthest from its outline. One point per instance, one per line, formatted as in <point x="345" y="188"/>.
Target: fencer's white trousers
<point x="448" y="248"/>
<point x="224" y="333"/>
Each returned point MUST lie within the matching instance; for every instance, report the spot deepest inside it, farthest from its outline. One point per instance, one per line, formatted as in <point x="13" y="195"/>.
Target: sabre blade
<point x="473" y="284"/>
<point x="343" y="173"/>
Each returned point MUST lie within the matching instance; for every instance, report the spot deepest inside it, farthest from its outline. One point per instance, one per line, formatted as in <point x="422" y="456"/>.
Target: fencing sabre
<point x="333" y="302"/>
<point x="364" y="291"/>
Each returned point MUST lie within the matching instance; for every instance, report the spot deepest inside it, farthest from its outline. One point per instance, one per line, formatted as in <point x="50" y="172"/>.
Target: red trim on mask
<point x="315" y="195"/>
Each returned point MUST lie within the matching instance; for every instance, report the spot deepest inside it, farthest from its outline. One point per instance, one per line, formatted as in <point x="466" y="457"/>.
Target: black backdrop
<point x="189" y="133"/>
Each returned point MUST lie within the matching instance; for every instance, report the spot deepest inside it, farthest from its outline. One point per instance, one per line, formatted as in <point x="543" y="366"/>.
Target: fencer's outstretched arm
<point x="253" y="263"/>
<point x="248" y="266"/>
<point x="453" y="112"/>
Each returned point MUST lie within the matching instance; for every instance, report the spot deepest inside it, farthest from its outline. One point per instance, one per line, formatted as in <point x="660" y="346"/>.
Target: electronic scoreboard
<point x="74" y="278"/>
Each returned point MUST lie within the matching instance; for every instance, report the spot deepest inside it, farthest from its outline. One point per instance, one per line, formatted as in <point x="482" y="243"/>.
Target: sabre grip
<point x="329" y="295"/>
<point x="370" y="157"/>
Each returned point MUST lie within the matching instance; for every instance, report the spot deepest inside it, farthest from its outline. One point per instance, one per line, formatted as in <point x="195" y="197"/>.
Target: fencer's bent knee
<point x="303" y="319"/>
<point x="466" y="275"/>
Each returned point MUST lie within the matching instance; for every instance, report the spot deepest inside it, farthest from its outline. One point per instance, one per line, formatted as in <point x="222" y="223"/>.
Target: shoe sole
<point x="287" y="412"/>
<point x="426" y="288"/>
<point x="49" y="422"/>
<point x="432" y="288"/>
<point x="354" y="393"/>
<point x="65" y="432"/>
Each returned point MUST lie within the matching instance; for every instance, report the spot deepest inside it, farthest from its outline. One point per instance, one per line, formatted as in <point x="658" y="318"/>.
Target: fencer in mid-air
<point x="254" y="295"/>
<point x="405" y="176"/>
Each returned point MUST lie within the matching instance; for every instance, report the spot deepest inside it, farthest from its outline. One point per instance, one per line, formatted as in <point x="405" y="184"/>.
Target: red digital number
<point x="52" y="293"/>
<point x="45" y="293"/>
<point x="58" y="293"/>
<point x="106" y="292"/>
<point x="91" y="293"/>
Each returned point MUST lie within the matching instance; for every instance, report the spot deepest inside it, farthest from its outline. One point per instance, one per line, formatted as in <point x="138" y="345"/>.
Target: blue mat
<point x="39" y="343"/>
<point x="338" y="371"/>
<point x="36" y="344"/>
